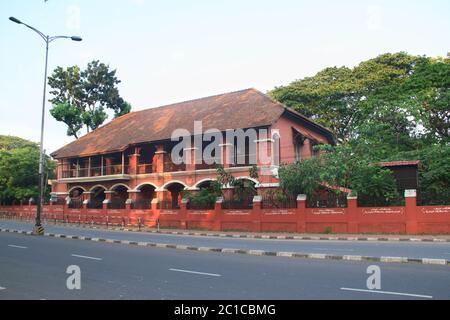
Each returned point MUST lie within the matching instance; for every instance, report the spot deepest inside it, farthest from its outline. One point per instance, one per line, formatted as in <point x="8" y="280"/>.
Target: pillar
<point x="411" y="211"/>
<point x="158" y="159"/>
<point x="183" y="214"/>
<point x="256" y="214"/>
<point x="352" y="214"/>
<point x="133" y="161"/>
<point x="108" y="166"/>
<point x="301" y="213"/>
<point x="217" y="217"/>
<point x="190" y="158"/>
<point x="108" y="197"/>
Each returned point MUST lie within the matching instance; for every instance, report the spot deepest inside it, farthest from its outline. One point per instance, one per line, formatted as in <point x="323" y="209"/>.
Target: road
<point x="374" y="249"/>
<point x="35" y="268"/>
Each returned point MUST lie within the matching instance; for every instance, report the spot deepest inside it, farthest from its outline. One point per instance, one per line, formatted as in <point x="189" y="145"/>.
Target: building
<point x="131" y="158"/>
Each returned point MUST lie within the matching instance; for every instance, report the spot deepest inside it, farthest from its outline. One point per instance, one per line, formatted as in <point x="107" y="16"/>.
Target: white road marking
<point x="1" y="288"/>
<point x="389" y="292"/>
<point x="196" y="272"/>
<point x="86" y="257"/>
<point x="14" y="246"/>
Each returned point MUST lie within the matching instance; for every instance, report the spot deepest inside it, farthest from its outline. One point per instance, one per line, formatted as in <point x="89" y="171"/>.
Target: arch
<point x="198" y="184"/>
<point x="145" y="184"/>
<point x="167" y="184"/>
<point x="77" y="187"/>
<point x="119" y="185"/>
<point x="248" y="178"/>
<point x="98" y="186"/>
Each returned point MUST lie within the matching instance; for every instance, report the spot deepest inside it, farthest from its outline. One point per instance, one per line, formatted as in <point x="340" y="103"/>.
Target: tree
<point x="19" y="163"/>
<point x="429" y="89"/>
<point x="301" y="177"/>
<point x="80" y="98"/>
<point x="343" y="98"/>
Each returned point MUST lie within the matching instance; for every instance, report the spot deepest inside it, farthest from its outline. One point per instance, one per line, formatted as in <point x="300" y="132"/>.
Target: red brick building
<point x="129" y="158"/>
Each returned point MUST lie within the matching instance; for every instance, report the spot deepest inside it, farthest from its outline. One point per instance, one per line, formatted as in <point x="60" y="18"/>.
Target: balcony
<point x="103" y="173"/>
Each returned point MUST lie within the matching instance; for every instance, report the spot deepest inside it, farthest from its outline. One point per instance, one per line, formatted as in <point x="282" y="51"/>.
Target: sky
<point x="171" y="51"/>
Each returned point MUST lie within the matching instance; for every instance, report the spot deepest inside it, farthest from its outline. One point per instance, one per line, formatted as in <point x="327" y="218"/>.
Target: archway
<point x="172" y="199"/>
<point x="118" y="197"/>
<point x="145" y="196"/>
<point x="97" y="197"/>
<point x="76" y="197"/>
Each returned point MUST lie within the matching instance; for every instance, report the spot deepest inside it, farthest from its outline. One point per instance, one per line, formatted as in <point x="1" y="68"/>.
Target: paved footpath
<point x="385" y="251"/>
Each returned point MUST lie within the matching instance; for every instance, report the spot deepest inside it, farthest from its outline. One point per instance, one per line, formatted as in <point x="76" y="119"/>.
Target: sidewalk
<point x="267" y="235"/>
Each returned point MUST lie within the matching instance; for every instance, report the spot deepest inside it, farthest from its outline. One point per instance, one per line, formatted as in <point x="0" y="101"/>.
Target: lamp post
<point x="38" y="229"/>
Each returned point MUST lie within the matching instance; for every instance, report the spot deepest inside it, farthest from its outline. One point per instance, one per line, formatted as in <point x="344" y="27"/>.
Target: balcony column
<point x="158" y="159"/>
<point x="133" y="160"/>
<point x="190" y="158"/>
<point x="108" y="164"/>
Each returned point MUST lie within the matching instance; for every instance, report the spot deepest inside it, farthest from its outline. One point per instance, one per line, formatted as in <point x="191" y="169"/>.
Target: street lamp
<point x="38" y="229"/>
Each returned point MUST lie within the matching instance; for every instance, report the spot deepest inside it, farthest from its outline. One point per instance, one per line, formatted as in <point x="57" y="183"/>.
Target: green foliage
<point x="19" y="162"/>
<point x="80" y="98"/>
<point x="338" y="167"/>
<point x="389" y="103"/>
<point x="392" y="107"/>
<point x="301" y="177"/>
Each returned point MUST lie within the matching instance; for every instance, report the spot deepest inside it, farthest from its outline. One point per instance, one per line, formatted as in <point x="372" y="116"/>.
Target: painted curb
<point x="315" y="256"/>
<point x="254" y="236"/>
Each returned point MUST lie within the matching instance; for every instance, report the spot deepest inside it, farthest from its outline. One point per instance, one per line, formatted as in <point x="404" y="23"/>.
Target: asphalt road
<point x="376" y="249"/>
<point x="35" y="268"/>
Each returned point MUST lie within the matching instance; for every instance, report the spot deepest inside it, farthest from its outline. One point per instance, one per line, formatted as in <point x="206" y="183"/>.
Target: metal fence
<point x="76" y="204"/>
<point x="245" y="203"/>
<point x="270" y="202"/>
<point x="433" y="198"/>
<point x="327" y="200"/>
<point x="95" y="204"/>
<point x="200" y="206"/>
<point x="116" y="204"/>
<point x="372" y="201"/>
<point x="141" y="204"/>
<point x="168" y="205"/>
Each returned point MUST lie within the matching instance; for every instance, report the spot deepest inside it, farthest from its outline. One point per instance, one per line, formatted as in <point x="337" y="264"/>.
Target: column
<point x="256" y="214"/>
<point x="411" y="211"/>
<point x="108" y="166"/>
<point x="158" y="159"/>
<point x="217" y="217"/>
<point x="352" y="214"/>
<point x="133" y="162"/>
<point x="301" y="213"/>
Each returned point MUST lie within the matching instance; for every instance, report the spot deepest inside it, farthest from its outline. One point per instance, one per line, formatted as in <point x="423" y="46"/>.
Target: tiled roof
<point x="242" y="109"/>
<point x="400" y="163"/>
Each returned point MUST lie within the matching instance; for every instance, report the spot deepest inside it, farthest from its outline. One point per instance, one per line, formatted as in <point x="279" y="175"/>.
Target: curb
<point x="254" y="236"/>
<point x="316" y="256"/>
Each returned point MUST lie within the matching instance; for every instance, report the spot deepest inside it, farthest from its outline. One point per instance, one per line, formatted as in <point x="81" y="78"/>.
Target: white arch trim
<point x="145" y="184"/>
<point x="77" y="187"/>
<point x="203" y="180"/>
<point x="119" y="185"/>
<point x="164" y="187"/>
<point x="98" y="186"/>
<point x="249" y="178"/>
